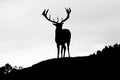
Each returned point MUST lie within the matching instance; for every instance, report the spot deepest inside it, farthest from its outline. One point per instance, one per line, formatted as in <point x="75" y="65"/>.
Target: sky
<point x="27" y="38"/>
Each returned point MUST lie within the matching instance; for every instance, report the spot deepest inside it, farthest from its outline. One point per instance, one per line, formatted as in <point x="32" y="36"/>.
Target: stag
<point x="62" y="36"/>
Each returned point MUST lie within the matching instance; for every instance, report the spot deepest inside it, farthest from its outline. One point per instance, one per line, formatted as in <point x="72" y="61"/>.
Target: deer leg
<point x="68" y="44"/>
<point x="58" y="48"/>
<point x="64" y="50"/>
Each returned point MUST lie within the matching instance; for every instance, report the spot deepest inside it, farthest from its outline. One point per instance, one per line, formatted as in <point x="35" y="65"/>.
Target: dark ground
<point x="104" y="63"/>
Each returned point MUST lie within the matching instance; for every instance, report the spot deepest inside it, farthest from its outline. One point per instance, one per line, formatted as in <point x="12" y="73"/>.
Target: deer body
<point x="62" y="36"/>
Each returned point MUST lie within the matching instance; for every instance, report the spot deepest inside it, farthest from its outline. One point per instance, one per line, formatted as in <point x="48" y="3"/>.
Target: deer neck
<point x="58" y="31"/>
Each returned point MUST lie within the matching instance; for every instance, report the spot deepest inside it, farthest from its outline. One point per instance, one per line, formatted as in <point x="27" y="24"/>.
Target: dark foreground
<point x="103" y="63"/>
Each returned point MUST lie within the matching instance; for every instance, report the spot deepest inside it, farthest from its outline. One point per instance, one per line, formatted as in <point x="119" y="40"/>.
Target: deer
<point x="62" y="36"/>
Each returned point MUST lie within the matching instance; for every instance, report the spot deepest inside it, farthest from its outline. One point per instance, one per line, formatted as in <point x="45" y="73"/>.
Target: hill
<point x="100" y="63"/>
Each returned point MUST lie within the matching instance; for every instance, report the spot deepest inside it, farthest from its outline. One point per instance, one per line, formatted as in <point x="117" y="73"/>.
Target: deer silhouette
<point x="62" y="36"/>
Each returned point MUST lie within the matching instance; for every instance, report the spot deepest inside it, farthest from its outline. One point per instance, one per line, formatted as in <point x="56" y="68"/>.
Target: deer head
<point x="57" y="23"/>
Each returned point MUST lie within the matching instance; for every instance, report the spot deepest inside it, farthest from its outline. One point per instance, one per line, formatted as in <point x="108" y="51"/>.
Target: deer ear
<point x="62" y="23"/>
<point x="53" y="23"/>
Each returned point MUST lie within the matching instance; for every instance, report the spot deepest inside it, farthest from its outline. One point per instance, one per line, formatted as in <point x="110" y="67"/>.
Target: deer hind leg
<point x="64" y="48"/>
<point x="68" y="45"/>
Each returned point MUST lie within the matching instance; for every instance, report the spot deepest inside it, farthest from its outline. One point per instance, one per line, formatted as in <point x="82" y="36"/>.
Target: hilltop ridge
<point x="104" y="61"/>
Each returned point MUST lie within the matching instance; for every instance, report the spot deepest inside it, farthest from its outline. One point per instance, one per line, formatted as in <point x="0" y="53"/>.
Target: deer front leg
<point x="58" y="49"/>
<point x="61" y="51"/>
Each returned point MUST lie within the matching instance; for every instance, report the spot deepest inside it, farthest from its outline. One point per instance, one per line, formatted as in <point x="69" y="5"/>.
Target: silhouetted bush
<point x="2" y="70"/>
<point x="113" y="51"/>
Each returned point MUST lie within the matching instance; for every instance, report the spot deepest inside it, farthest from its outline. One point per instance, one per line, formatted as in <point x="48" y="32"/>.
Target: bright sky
<point x="26" y="37"/>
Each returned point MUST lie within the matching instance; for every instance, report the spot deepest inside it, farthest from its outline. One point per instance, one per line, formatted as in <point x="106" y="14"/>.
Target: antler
<point x="45" y="15"/>
<point x="68" y="10"/>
